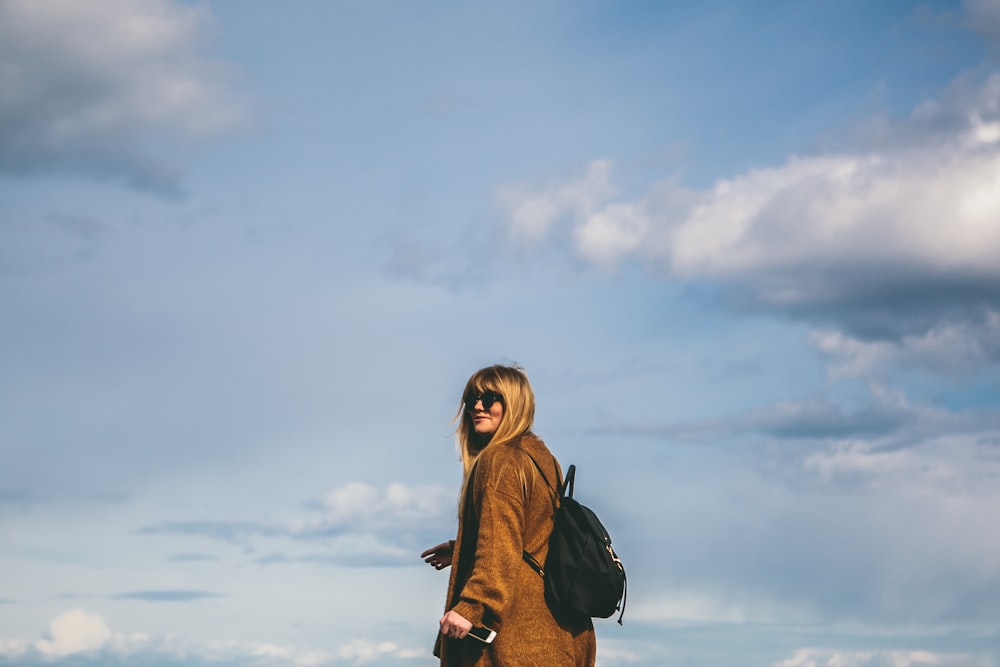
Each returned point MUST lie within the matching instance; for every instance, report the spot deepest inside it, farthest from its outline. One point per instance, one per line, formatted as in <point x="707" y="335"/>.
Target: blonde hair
<point x="518" y="400"/>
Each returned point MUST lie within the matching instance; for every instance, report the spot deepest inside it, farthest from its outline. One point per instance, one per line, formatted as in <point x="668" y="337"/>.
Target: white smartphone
<point x="484" y="635"/>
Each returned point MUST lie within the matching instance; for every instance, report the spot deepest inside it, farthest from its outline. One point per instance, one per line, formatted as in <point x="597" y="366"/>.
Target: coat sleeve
<point x="499" y="507"/>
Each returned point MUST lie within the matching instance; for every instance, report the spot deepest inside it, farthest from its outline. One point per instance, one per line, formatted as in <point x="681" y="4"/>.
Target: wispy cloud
<point x="237" y="532"/>
<point x="886" y="420"/>
<point x="358" y="524"/>
<point x="166" y="596"/>
<point x="191" y="558"/>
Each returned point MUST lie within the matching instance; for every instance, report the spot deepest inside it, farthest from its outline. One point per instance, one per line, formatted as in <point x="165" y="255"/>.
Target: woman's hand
<point x="455" y="625"/>
<point x="439" y="556"/>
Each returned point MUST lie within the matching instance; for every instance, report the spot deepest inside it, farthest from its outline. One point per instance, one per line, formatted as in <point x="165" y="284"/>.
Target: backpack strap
<point x="568" y="482"/>
<point x="557" y="493"/>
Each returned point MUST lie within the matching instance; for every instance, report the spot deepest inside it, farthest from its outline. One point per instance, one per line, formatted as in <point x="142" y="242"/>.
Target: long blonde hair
<point x="511" y="382"/>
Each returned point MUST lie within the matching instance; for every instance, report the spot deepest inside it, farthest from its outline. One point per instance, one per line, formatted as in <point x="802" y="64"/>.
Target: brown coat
<point x="508" y="508"/>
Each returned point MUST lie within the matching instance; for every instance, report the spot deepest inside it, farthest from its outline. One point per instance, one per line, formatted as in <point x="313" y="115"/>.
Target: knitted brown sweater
<point x="508" y="508"/>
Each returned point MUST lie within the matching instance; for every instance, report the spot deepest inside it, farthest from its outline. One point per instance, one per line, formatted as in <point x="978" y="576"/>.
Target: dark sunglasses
<point x="487" y="397"/>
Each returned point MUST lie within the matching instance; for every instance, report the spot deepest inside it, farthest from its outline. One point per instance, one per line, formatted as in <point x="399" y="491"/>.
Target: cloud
<point x="83" y="639"/>
<point x="348" y="553"/>
<point x="533" y="212"/>
<point x="355" y="505"/>
<point x="893" y="242"/>
<point x="812" y="657"/>
<point x="983" y="18"/>
<point x="76" y="631"/>
<point x="946" y="347"/>
<point x="166" y="596"/>
<point x="236" y="532"/>
<point x="885" y="420"/>
<point x="826" y="514"/>
<point x="360" y="504"/>
<point x="358" y="525"/>
<point x="93" y="87"/>
<point x="192" y="558"/>
<point x="825" y="420"/>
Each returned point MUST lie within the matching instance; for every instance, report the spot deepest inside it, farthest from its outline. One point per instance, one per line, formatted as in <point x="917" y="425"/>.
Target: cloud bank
<point x="827" y="658"/>
<point x="83" y="638"/>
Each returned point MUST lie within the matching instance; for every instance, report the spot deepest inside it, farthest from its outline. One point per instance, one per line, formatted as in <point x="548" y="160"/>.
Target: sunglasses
<point x="488" y="398"/>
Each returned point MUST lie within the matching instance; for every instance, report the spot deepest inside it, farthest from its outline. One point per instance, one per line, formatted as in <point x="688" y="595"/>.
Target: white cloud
<point x="619" y="652"/>
<point x="813" y="657"/>
<point x="703" y="604"/>
<point x="857" y="458"/>
<point x="75" y="631"/>
<point x="893" y="245"/>
<point x="362" y="504"/>
<point x="788" y="232"/>
<point x="363" y="651"/>
<point x="608" y="234"/>
<point x="90" y="85"/>
<point x="78" y="632"/>
<point x="534" y="212"/>
<point x="13" y="648"/>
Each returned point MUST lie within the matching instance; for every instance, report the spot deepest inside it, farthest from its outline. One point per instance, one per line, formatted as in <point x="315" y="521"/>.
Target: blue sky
<point x="250" y="252"/>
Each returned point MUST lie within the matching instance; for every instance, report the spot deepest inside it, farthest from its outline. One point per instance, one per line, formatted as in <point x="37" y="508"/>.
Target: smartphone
<point x="484" y="635"/>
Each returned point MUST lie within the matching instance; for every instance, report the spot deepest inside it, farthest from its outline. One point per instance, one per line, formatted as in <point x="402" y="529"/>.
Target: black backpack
<point x="583" y="576"/>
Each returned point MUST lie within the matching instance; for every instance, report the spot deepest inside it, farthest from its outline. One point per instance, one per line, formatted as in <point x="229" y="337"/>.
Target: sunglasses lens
<point x="488" y="398"/>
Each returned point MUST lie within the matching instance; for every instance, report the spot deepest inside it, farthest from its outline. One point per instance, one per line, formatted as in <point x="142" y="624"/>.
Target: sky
<point x="250" y="252"/>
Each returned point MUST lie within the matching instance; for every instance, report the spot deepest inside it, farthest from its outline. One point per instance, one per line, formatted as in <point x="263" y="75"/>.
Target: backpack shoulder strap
<point x="556" y="490"/>
<point x="556" y="495"/>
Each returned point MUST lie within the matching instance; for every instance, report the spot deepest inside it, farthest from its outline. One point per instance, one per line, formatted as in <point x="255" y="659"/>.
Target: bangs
<point x="480" y="383"/>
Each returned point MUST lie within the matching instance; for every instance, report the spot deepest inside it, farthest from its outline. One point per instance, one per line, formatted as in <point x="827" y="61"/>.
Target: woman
<point x="505" y="508"/>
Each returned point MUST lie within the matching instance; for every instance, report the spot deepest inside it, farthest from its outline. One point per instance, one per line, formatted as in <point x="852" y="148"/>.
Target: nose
<point x="478" y="407"/>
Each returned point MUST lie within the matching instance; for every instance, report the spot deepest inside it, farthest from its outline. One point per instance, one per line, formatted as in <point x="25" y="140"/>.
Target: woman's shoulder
<point x="532" y="444"/>
<point x="502" y="466"/>
<point x="519" y="452"/>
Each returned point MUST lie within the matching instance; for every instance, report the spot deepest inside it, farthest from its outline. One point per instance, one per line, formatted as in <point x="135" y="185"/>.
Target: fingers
<point x="437" y="549"/>
<point x="438" y="563"/>
<point x="438" y="556"/>
<point x="455" y="625"/>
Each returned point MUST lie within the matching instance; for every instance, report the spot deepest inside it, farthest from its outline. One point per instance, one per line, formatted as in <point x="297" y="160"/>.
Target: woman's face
<point x="485" y="422"/>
